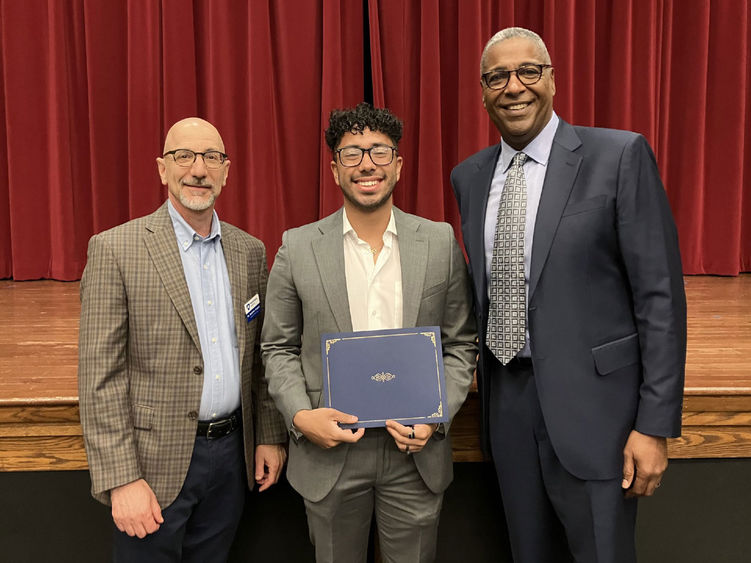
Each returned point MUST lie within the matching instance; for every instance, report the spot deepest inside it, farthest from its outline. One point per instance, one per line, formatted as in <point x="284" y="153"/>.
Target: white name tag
<point x="252" y="307"/>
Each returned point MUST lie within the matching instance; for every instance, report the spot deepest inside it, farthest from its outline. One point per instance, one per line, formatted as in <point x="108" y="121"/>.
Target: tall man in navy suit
<point x="582" y="387"/>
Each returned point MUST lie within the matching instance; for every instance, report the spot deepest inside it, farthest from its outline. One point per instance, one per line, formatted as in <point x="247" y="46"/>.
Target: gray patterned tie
<point x="507" y="318"/>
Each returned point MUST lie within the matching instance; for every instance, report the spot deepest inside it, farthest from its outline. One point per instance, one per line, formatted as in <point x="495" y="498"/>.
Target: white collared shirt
<point x="374" y="289"/>
<point x="206" y="274"/>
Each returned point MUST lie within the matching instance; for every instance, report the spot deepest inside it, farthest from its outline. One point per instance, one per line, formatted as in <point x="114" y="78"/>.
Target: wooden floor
<point x="39" y="428"/>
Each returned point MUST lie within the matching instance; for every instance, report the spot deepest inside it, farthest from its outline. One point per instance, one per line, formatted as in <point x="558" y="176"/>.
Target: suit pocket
<point x="143" y="417"/>
<point x="616" y="354"/>
<point x="431" y="291"/>
<point x="589" y="204"/>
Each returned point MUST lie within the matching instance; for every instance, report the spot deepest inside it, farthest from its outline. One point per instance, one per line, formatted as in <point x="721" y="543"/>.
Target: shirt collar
<point x="348" y="230"/>
<point x="186" y="234"/>
<point x="538" y="148"/>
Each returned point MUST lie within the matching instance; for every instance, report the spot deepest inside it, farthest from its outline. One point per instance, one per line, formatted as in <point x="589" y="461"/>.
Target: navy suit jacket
<point x="606" y="308"/>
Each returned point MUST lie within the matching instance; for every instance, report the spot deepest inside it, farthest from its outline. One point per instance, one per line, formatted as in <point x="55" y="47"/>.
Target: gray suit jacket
<point x="607" y="308"/>
<point x="140" y="371"/>
<point x="307" y="296"/>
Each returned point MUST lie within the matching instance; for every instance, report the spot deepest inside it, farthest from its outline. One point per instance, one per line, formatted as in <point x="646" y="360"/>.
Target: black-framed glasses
<point x="186" y="158"/>
<point x="527" y="74"/>
<point x="380" y="155"/>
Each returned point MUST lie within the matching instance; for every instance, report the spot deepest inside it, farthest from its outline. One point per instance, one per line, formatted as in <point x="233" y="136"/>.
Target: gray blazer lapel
<point x="162" y="248"/>
<point x="563" y="167"/>
<point x="237" y="268"/>
<point x="328" y="251"/>
<point x="413" y="252"/>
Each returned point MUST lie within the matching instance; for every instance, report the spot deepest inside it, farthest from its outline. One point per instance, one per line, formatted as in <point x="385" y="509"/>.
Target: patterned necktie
<point x="507" y="318"/>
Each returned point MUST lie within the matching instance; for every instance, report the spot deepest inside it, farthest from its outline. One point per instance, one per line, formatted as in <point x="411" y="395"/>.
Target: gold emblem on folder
<point x="383" y="376"/>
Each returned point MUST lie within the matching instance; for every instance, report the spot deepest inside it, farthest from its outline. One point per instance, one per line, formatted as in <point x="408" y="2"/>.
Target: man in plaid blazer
<point x="175" y="412"/>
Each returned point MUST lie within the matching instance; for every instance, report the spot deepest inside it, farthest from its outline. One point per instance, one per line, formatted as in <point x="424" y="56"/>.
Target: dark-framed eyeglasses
<point x="527" y="74"/>
<point x="186" y="158"/>
<point x="380" y="155"/>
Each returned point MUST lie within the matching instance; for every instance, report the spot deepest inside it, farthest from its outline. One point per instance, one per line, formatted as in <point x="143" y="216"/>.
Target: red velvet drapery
<point x="88" y="88"/>
<point x="677" y="71"/>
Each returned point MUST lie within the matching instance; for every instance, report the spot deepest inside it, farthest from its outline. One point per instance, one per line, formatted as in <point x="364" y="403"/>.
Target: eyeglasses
<point x="186" y="158"/>
<point x="527" y="74"/>
<point x="380" y="155"/>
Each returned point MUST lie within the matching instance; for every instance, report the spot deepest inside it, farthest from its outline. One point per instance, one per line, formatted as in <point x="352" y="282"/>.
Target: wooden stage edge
<point x="39" y="420"/>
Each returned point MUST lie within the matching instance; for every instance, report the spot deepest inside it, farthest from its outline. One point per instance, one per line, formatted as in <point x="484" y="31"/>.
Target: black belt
<point x="219" y="428"/>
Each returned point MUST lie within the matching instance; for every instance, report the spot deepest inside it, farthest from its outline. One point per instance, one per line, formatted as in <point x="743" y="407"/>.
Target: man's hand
<point x="645" y="459"/>
<point x="135" y="509"/>
<point x="320" y="427"/>
<point x="269" y="462"/>
<point x="410" y="439"/>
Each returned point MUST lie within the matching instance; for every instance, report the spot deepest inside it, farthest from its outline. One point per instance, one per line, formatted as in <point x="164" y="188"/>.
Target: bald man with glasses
<point x="176" y="416"/>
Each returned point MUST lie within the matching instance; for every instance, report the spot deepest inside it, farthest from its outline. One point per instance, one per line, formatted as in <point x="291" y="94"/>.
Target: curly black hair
<point x="355" y="120"/>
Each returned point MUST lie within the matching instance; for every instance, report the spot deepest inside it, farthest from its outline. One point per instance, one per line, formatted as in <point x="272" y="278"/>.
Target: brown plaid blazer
<point x="140" y="371"/>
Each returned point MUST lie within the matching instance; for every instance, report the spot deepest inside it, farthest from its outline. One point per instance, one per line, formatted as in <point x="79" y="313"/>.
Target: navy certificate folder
<point x="380" y="375"/>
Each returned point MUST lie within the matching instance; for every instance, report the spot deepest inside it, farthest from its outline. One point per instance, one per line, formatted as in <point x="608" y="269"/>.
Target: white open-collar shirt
<point x="374" y="289"/>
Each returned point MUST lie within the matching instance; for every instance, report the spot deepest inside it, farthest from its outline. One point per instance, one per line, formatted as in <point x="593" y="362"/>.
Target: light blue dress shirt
<point x="211" y="295"/>
<point x="535" y="167"/>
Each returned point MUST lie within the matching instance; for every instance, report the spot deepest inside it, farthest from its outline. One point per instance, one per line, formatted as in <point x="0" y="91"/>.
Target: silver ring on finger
<point x="406" y="450"/>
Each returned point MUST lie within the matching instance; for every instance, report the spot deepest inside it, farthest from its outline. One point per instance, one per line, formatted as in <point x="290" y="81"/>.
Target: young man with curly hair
<point x="369" y="266"/>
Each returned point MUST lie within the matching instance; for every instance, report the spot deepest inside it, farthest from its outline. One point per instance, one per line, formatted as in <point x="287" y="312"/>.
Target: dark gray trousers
<point x="200" y="524"/>
<point x="377" y="478"/>
<point x="552" y="515"/>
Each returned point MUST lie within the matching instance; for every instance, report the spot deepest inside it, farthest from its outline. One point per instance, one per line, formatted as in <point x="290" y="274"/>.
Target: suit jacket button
<point x="198" y="370"/>
<point x="192" y="415"/>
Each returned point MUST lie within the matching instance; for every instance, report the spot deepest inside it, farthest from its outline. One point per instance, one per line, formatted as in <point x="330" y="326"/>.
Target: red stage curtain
<point x="89" y="88"/>
<point x="678" y="72"/>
